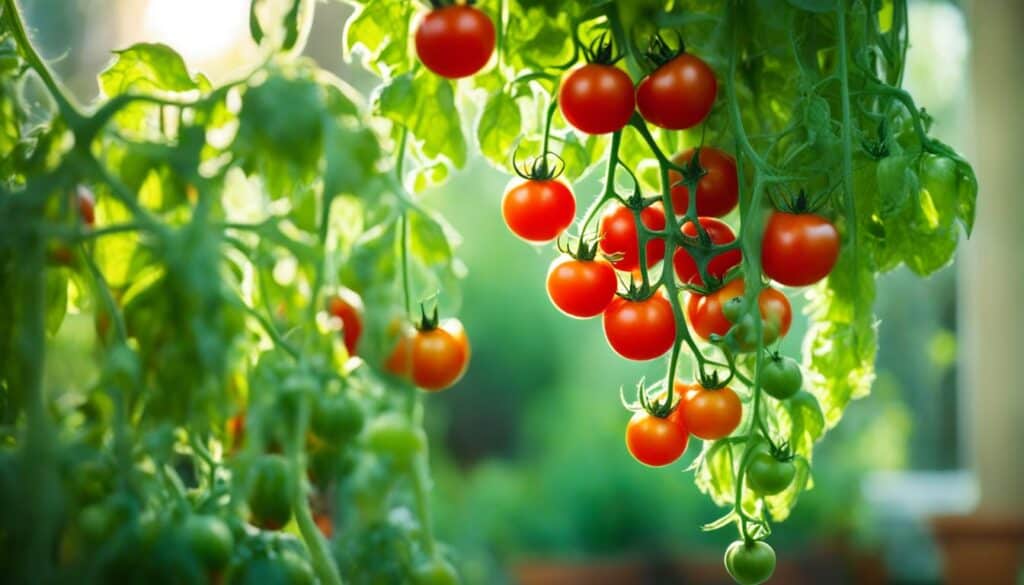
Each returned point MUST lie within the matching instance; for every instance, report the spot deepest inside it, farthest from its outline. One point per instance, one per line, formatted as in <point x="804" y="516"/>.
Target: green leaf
<point x="255" y="28"/>
<point x="715" y="475"/>
<point x="499" y="127"/>
<point x="425" y="105"/>
<point x="380" y="31"/>
<point x="56" y="299"/>
<point x="146" y="68"/>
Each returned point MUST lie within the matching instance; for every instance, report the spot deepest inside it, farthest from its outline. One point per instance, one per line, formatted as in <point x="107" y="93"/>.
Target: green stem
<point x="36" y="62"/>
<point x="319" y="553"/>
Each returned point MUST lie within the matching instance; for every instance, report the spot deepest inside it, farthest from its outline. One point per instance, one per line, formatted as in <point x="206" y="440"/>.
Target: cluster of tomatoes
<point x="433" y="354"/>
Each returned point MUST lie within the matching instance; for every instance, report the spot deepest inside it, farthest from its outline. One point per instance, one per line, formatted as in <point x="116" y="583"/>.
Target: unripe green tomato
<point x="750" y="563"/>
<point x="298" y="569"/>
<point x="746" y="337"/>
<point x="768" y="476"/>
<point x="336" y="418"/>
<point x="270" y="492"/>
<point x="210" y="539"/>
<point x="781" y="377"/>
<point x="393" y="435"/>
<point x="435" y="572"/>
<point x="732" y="308"/>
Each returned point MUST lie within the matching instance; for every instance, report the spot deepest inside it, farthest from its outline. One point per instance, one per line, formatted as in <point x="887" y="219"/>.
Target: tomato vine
<point x="227" y="225"/>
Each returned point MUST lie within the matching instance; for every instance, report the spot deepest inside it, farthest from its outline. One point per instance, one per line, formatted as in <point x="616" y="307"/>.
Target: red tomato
<point x="347" y="306"/>
<point x="656" y="441"/>
<point x="581" y="288"/>
<point x="705" y="312"/>
<point x="597" y="99"/>
<point x="455" y="41"/>
<point x="86" y="206"/>
<point x="679" y="94"/>
<point x="799" y="249"/>
<point x="720" y="233"/>
<point x="434" y="359"/>
<point x="640" y="330"/>
<point x="709" y="414"/>
<point x="619" y="236"/>
<point x="718" y="191"/>
<point x="538" y="210"/>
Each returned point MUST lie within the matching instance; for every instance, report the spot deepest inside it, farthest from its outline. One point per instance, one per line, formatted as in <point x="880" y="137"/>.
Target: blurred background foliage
<point x="528" y="449"/>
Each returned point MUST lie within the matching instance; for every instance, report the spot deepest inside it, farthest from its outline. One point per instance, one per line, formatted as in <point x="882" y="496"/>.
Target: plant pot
<point x="980" y="549"/>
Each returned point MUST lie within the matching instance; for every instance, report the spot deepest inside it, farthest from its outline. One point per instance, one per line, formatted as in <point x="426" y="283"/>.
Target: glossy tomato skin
<point x="455" y="41"/>
<point x="768" y="476"/>
<point x="709" y="414"/>
<point x="640" y="330"/>
<point x="720" y="234"/>
<point x="210" y="539"/>
<point x="597" y="99"/>
<point x="706" y="316"/>
<point x="348" y="306"/>
<point x="781" y="377"/>
<point x="619" y="236"/>
<point x="750" y="563"/>
<point x="538" y="210"/>
<point x="718" y="191"/>
<point x="434" y="359"/>
<point x="581" y="288"/>
<point x="656" y="441"/>
<point x="799" y="249"/>
<point x="270" y="492"/>
<point x="679" y="94"/>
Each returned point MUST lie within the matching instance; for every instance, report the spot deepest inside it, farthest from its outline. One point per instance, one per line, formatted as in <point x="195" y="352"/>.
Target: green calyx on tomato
<point x="750" y="562"/>
<point x="781" y="376"/>
<point x="270" y="492"/>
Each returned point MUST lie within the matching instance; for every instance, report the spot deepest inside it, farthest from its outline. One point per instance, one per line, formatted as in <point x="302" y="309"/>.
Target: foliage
<point x="206" y="228"/>
<point x="810" y="104"/>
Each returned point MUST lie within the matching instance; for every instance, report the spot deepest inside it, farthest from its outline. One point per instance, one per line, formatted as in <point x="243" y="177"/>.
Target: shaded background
<point x="530" y="467"/>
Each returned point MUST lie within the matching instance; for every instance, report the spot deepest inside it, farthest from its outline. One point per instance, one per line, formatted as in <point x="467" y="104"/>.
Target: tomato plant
<point x="211" y="310"/>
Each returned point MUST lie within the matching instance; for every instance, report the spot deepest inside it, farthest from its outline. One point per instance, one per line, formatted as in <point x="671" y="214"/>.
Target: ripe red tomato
<point x="656" y="441"/>
<point x="619" y="236"/>
<point x="718" y="191"/>
<point x="799" y="249"/>
<point x="720" y="233"/>
<point x="86" y="205"/>
<point x="709" y="414"/>
<point x="455" y="41"/>
<point x="597" y="99"/>
<point x="581" y="288"/>
<point x="434" y="359"/>
<point x="679" y="94"/>
<point x="538" y="210"/>
<point x="347" y="306"/>
<point x="705" y="312"/>
<point x="640" y="330"/>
